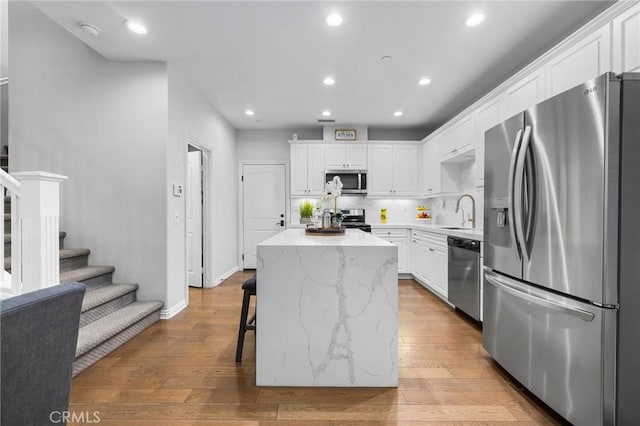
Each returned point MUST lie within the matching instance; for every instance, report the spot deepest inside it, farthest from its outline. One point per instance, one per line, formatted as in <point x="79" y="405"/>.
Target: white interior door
<point x="194" y="219"/>
<point x="264" y="206"/>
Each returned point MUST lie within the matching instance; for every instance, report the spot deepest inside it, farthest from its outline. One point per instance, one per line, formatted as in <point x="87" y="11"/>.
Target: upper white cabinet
<point x="487" y="116"/>
<point x="460" y="141"/>
<point x="523" y="94"/>
<point x="626" y="41"/>
<point x="345" y="156"/>
<point x="585" y="60"/>
<point x="393" y="170"/>
<point x="431" y="169"/>
<point x="307" y="169"/>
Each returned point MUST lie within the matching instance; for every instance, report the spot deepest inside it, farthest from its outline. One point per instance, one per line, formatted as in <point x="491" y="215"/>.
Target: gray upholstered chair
<point x="39" y="332"/>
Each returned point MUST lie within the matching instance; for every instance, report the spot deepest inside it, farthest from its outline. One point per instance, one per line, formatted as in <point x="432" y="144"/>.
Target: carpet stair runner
<point x="111" y="313"/>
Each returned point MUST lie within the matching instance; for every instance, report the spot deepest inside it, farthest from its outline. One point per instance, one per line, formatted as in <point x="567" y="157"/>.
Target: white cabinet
<point x="393" y="170"/>
<point x="399" y="237"/>
<point x="438" y="177"/>
<point x="523" y="94"/>
<point x="429" y="261"/>
<point x="459" y="142"/>
<point x="585" y="60"/>
<point x="487" y="116"/>
<point x="626" y="41"/>
<point x="307" y="169"/>
<point x="431" y="169"/>
<point x="345" y="156"/>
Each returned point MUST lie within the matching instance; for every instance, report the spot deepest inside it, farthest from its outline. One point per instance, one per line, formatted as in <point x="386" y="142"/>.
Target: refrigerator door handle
<point x="510" y="196"/>
<point x="505" y="286"/>
<point x="517" y="193"/>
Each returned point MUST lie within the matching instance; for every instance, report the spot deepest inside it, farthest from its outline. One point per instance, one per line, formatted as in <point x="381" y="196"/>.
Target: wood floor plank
<point x="183" y="372"/>
<point x="488" y="413"/>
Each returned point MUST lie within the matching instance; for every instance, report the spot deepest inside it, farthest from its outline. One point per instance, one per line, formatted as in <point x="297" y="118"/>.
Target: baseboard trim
<point x="225" y="275"/>
<point x="174" y="310"/>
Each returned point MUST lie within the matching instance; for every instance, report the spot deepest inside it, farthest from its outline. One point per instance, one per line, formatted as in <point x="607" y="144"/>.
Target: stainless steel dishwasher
<point x="464" y="275"/>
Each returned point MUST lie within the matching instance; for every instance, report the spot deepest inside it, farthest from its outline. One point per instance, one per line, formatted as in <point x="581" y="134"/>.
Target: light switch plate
<point x="177" y="190"/>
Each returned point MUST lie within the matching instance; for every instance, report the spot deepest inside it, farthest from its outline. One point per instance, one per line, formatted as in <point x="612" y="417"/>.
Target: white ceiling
<point x="272" y="56"/>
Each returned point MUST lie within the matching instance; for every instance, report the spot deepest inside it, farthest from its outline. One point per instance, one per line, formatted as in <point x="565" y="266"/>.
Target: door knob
<point x="281" y="223"/>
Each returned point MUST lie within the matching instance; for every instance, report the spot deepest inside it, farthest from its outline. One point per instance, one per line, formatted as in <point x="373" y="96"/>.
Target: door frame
<point x="287" y="200"/>
<point x="207" y="259"/>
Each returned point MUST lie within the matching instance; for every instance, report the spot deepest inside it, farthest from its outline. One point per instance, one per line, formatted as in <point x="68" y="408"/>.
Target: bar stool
<point x="249" y="287"/>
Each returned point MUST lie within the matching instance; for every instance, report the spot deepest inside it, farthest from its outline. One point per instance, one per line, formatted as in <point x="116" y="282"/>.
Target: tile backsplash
<point x="403" y="210"/>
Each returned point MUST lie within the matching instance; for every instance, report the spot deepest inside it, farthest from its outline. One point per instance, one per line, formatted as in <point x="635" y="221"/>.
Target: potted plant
<point x="306" y="211"/>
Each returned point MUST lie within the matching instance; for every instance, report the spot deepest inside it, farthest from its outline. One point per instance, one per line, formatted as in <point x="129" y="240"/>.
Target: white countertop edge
<point x="474" y="234"/>
<point x="298" y="238"/>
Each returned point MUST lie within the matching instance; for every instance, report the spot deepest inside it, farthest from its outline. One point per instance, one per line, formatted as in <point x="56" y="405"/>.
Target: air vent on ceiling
<point x="326" y="120"/>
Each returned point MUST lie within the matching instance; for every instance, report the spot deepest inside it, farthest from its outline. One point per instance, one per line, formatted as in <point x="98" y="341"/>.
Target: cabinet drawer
<point x="390" y="233"/>
<point x="436" y="240"/>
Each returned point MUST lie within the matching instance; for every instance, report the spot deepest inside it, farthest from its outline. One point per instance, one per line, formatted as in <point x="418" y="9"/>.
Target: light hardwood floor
<point x="183" y="372"/>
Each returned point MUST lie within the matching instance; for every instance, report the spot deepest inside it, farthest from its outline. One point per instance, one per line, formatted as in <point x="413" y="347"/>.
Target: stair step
<point x="100" y="337"/>
<point x="106" y="299"/>
<point x="7" y="241"/>
<point x="69" y="259"/>
<point x="91" y="276"/>
<point x="73" y="259"/>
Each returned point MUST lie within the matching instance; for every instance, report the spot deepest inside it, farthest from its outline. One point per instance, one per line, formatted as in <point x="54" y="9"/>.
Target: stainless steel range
<point x="355" y="219"/>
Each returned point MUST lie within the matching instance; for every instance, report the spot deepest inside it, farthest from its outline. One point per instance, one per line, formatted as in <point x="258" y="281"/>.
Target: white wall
<point x="103" y="124"/>
<point x="190" y="116"/>
<point x="271" y="145"/>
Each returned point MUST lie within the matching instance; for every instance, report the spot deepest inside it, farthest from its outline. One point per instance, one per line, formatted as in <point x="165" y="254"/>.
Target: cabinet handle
<point x="430" y="249"/>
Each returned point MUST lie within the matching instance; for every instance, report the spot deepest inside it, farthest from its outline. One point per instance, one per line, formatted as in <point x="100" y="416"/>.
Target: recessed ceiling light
<point x="474" y="20"/>
<point x="326" y="113"/>
<point x="329" y="81"/>
<point x="334" y="20"/>
<point x="386" y="59"/>
<point x="424" y="81"/>
<point x="135" y="27"/>
<point x="397" y="114"/>
<point x="249" y="112"/>
<point x="89" y="29"/>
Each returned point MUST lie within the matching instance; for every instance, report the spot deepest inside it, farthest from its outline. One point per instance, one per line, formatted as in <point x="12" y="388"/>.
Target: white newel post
<point x="39" y="218"/>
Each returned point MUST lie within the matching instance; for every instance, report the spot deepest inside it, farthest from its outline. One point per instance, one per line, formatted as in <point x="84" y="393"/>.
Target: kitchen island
<point x="327" y="310"/>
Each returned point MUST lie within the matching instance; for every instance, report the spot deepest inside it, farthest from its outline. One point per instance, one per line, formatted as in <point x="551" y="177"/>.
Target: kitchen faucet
<point x="473" y="207"/>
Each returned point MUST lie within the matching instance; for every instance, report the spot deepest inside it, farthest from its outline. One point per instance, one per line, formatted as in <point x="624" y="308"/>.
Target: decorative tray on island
<point x="324" y="231"/>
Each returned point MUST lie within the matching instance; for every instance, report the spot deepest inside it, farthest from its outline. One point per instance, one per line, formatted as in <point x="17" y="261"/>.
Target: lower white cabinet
<point x="429" y="261"/>
<point x="399" y="237"/>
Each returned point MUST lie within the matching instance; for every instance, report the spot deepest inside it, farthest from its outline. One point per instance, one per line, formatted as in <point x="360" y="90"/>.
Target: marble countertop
<point x="297" y="237"/>
<point x="474" y="234"/>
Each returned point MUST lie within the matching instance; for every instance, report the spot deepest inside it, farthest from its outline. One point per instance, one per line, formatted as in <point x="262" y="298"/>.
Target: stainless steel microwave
<point x="353" y="181"/>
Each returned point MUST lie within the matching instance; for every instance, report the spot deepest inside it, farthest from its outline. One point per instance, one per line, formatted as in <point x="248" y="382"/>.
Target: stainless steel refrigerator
<point x="562" y="250"/>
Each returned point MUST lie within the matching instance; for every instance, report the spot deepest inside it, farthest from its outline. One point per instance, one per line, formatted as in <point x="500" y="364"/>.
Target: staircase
<point x="111" y="313"/>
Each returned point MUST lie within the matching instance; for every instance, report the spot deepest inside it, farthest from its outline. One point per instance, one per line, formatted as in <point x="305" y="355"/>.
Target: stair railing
<point x="35" y="231"/>
<point x="11" y="282"/>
